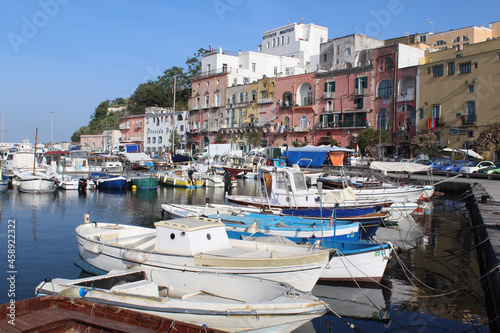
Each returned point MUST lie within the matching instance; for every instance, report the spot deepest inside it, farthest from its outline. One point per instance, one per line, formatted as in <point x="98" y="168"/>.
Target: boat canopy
<point x="137" y="157"/>
<point x="399" y="167"/>
<point x="311" y="156"/>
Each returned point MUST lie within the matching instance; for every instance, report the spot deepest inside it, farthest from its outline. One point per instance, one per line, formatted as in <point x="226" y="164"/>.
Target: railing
<point x="469" y="119"/>
<point x="328" y="108"/>
<point x="329" y="95"/>
<point x="352" y="123"/>
<point x="265" y="100"/>
<point x="223" y="70"/>
<point x="360" y="91"/>
<point x="123" y="126"/>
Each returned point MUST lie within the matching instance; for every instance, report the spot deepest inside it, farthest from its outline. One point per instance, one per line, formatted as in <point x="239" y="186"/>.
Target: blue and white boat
<point x="249" y="224"/>
<point x="106" y="181"/>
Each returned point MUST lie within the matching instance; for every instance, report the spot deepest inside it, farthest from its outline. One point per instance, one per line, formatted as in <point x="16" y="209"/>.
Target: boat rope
<point x="340" y="317"/>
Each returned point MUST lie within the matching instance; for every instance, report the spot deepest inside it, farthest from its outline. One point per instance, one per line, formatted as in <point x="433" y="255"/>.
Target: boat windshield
<point x="300" y="181"/>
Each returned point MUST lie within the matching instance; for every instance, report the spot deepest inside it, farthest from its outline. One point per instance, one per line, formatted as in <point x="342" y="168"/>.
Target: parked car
<point x="437" y="163"/>
<point x="457" y="165"/>
<point x="475" y="166"/>
<point x="493" y="170"/>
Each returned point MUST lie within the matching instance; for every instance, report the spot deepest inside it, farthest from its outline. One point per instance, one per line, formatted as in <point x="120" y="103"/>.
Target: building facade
<point x="161" y="124"/>
<point x="458" y="93"/>
<point x="132" y="130"/>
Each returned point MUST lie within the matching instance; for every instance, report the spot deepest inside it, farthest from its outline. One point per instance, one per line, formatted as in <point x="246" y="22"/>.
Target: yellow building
<point x="459" y="38"/>
<point x="459" y="93"/>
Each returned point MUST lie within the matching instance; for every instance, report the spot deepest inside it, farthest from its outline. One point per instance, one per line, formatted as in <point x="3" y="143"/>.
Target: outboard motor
<point x="82" y="185"/>
<point x="227" y="181"/>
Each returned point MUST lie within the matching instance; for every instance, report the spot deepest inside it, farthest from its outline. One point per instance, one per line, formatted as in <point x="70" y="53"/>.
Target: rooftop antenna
<point x="355" y="28"/>
<point x="431" y="25"/>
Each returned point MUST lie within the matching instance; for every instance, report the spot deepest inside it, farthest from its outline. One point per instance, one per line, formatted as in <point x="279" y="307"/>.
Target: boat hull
<point x="37" y="185"/>
<point x="145" y="183"/>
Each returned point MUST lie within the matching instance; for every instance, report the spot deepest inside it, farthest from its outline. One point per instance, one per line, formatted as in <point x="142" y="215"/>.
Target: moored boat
<point x="106" y="181"/>
<point x="64" y="314"/>
<point x="182" y="178"/>
<point x="195" y="244"/>
<point x="220" y="301"/>
<point x="143" y="181"/>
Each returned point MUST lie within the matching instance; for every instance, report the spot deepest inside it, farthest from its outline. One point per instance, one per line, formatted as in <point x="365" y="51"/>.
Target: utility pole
<point x="173" y="120"/>
<point x="51" y="129"/>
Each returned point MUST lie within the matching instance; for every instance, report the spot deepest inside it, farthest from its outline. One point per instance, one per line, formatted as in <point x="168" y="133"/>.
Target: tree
<point x="489" y="138"/>
<point x="368" y="140"/>
<point x="119" y="102"/>
<point x="219" y="138"/>
<point x="99" y="114"/>
<point x="85" y="130"/>
<point x="147" y="94"/>
<point x="254" y="138"/>
<point x="332" y="142"/>
<point x="426" y="144"/>
<point x="194" y="63"/>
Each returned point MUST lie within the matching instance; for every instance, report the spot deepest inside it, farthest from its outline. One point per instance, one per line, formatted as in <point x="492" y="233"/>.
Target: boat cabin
<point x="191" y="236"/>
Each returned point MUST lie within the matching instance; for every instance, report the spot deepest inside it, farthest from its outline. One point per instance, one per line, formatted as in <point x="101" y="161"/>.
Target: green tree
<point x="219" y="138"/>
<point x="85" y="130"/>
<point x="99" y="114"/>
<point x="254" y="138"/>
<point x="118" y="102"/>
<point x="194" y="63"/>
<point x="147" y="94"/>
<point x="368" y="140"/>
<point x="489" y="138"/>
<point x="426" y="144"/>
<point x="332" y="142"/>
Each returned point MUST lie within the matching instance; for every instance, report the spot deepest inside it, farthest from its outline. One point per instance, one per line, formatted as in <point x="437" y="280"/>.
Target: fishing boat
<point x="35" y="182"/>
<point x="220" y="301"/>
<point x="243" y="225"/>
<point x="181" y="177"/>
<point x="59" y="314"/>
<point x="143" y="181"/>
<point x="353" y="260"/>
<point x="107" y="181"/>
<point x="196" y="244"/>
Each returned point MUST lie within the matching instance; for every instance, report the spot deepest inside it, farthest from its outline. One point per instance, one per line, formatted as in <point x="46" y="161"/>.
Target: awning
<point x="399" y="167"/>
<point x="137" y="157"/>
<point x="469" y="152"/>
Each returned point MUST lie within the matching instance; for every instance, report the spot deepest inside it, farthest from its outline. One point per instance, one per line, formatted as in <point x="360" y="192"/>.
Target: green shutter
<point x="356" y="83"/>
<point x="326" y="87"/>
<point x="365" y="82"/>
<point x="333" y="86"/>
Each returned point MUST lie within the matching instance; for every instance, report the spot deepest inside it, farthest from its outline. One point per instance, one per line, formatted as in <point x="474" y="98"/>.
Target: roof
<point x="135" y="157"/>
<point x="399" y="166"/>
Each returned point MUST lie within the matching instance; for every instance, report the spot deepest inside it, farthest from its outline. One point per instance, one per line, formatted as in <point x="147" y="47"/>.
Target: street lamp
<point x="52" y="129"/>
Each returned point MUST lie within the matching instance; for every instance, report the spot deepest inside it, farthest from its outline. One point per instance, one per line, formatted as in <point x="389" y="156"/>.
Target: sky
<point x="67" y="56"/>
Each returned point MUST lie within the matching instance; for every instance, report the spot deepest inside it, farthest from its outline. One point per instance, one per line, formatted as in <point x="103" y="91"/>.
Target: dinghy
<point x="220" y="301"/>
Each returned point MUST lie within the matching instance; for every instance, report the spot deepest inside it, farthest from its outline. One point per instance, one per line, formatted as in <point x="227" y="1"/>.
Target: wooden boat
<point x="107" y="181"/>
<point x="248" y="224"/>
<point x="35" y="182"/>
<point x="56" y="314"/>
<point x="143" y="181"/>
<point x="196" y="244"/>
<point x="352" y="260"/>
<point x="182" y="178"/>
<point x="220" y="301"/>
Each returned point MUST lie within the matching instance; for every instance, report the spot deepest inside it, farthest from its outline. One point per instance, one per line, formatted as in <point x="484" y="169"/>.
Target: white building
<point x="159" y="125"/>
<point x="297" y="40"/>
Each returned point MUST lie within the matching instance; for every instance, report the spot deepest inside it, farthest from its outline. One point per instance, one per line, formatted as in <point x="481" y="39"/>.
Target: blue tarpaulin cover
<point x="310" y="156"/>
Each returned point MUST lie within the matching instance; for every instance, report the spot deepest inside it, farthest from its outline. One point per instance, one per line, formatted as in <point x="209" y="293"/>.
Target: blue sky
<point x="68" y="56"/>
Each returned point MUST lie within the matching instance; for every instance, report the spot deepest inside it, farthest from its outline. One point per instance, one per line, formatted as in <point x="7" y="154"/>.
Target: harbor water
<point x="432" y="284"/>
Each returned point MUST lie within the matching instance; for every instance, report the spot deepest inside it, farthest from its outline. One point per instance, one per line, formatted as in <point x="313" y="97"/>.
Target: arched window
<point x="440" y="42"/>
<point x="385" y="89"/>
<point x="246" y="96"/>
<point x="254" y="95"/>
<point x="388" y="63"/>
<point x="241" y="97"/>
<point x="303" y="122"/>
<point x="287" y="123"/>
<point x="233" y="99"/>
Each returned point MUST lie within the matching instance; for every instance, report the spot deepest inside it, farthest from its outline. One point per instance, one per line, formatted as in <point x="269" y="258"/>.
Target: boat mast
<point x="173" y="121"/>
<point x="34" y="159"/>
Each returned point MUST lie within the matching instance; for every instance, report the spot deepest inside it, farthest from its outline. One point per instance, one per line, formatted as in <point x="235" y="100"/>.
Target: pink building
<point x="344" y="105"/>
<point x="132" y="130"/>
<point x="93" y="142"/>
<point x="395" y="96"/>
<point x="296" y="110"/>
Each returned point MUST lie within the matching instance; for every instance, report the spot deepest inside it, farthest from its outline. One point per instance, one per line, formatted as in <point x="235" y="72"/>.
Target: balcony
<point x="265" y="100"/>
<point x="216" y="105"/>
<point x="328" y="108"/>
<point x="352" y="123"/>
<point x="206" y="106"/>
<point x="468" y="119"/>
<point x="405" y="98"/>
<point x="360" y="91"/>
<point x="124" y="126"/>
<point x="329" y="125"/>
<point x="329" y="95"/>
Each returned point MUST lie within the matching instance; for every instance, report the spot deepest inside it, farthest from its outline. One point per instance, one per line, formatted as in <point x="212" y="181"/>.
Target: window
<point x="274" y="42"/>
<point x="388" y="63"/>
<point x="360" y="85"/>
<point x="246" y="96"/>
<point x="268" y="45"/>
<point x="207" y="100"/>
<point x="253" y="95"/>
<point x="382" y="119"/>
<point x="348" y="51"/>
<point x="437" y="70"/>
<point x="288" y="39"/>
<point x="149" y="140"/>
<point x="325" y="57"/>
<point x="358" y="102"/>
<point x="465" y="68"/>
<point x="456" y="40"/>
<point x="241" y="97"/>
<point x="436" y="111"/>
<point x="338" y="49"/>
<point x="465" y="38"/>
<point x="440" y="42"/>
<point x="287" y="99"/>
<point x="385" y="89"/>
<point x="233" y="99"/>
<point x="471" y="88"/>
<point x="154" y="139"/>
<point x="208" y="68"/>
<point x="254" y="66"/>
<point x="330" y="87"/>
<point x="475" y="65"/>
<point x="275" y="70"/>
<point x="471" y="108"/>
<point x="451" y="68"/>
<point x="282" y="40"/>
<point x="160" y="139"/>
<point x="278" y="41"/>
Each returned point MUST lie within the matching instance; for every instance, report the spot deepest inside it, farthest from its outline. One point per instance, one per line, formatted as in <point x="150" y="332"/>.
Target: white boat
<point x="4" y="180"/>
<point x="182" y="177"/>
<point x="196" y="244"/>
<point x="219" y="301"/>
<point x="35" y="182"/>
<point x="67" y="182"/>
<point x="111" y="163"/>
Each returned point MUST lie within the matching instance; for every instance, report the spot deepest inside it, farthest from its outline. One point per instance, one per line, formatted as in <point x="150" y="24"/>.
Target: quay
<point x="481" y="194"/>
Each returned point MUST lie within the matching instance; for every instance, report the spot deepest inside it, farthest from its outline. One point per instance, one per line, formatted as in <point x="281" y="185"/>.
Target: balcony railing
<point x="265" y="100"/>
<point x="469" y="119"/>
<point x="405" y="98"/>
<point x="329" y="95"/>
<point x="360" y="91"/>
<point x="352" y="123"/>
<point x="328" y="108"/>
